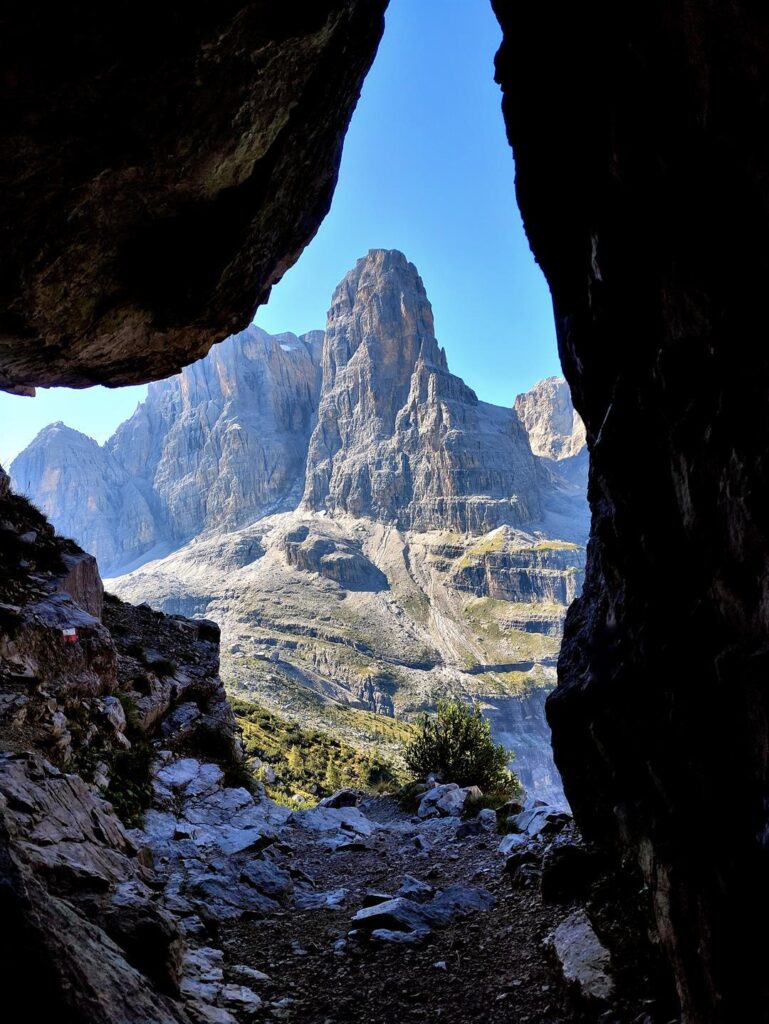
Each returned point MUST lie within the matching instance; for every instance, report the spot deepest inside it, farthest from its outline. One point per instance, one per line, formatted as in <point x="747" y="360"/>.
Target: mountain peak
<point x="398" y="437"/>
<point x="60" y="432"/>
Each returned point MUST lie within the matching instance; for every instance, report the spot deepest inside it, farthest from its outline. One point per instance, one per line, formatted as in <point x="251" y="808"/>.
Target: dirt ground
<point x="490" y="967"/>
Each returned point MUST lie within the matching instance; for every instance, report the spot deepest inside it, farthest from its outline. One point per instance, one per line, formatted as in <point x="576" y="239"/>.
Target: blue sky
<point x="426" y="169"/>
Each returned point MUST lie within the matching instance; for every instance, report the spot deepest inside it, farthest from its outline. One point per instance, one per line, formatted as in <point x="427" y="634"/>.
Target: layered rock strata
<point x="399" y="438"/>
<point x="394" y="583"/>
<point x="556" y="432"/>
<point x="217" y="446"/>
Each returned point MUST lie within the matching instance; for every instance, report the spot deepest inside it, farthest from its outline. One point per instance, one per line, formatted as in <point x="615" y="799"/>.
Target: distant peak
<point x="59" y="427"/>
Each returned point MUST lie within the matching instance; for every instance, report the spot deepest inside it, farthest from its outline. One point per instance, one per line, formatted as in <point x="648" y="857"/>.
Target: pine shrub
<point x="456" y="744"/>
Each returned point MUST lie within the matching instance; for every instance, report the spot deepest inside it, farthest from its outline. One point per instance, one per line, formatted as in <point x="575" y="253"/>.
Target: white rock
<point x="251" y="973"/>
<point x="447" y="800"/>
<point x="114" y="713"/>
<point x="326" y="819"/>
<point x="240" y="997"/>
<point x="584" y="962"/>
<point x="511" y="842"/>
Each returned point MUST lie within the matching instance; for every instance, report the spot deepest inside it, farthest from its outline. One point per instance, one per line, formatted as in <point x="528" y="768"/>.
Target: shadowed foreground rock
<point x="642" y="168"/>
<point x="161" y="169"/>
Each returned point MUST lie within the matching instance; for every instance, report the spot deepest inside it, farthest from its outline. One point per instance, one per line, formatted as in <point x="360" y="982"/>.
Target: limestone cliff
<point x="556" y="432"/>
<point x="352" y="625"/>
<point x="218" y="445"/>
<point x="398" y="437"/>
<point x="554" y="427"/>
<point x="88" y="494"/>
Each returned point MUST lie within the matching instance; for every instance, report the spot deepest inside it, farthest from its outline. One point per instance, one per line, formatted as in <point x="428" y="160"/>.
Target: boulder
<point x="267" y="878"/>
<point x="512" y="841"/>
<point x="584" y="961"/>
<point x="538" y="818"/>
<point x="398" y="914"/>
<point x="329" y="819"/>
<point x="524" y="865"/>
<point x="342" y="798"/>
<point x="457" y="901"/>
<point x="484" y="823"/>
<point x="413" y="889"/>
<point x="331" y="900"/>
<point x="443" y="800"/>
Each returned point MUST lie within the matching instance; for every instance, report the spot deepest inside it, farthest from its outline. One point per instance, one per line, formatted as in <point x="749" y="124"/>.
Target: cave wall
<point x="161" y="166"/>
<point x="642" y="163"/>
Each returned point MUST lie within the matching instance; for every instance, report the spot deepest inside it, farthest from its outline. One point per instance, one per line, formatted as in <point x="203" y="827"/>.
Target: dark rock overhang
<point x="162" y="166"/>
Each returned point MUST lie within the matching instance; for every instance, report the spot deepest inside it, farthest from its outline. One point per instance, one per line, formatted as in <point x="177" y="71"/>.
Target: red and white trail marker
<point x="69" y="635"/>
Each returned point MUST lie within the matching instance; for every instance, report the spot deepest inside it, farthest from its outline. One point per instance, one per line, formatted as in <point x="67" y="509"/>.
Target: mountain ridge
<point x="416" y="548"/>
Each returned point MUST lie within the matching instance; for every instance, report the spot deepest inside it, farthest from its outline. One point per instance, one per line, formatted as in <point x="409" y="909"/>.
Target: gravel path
<point x="488" y="967"/>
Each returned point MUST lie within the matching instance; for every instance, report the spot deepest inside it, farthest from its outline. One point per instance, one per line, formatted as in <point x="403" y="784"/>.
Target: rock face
<point x="331" y="618"/>
<point x="218" y="445"/>
<point x="656" y="309"/>
<point x="556" y="432"/>
<point x="394" y="583"/>
<point x="554" y="427"/>
<point x="84" y="489"/>
<point x="154" y="191"/>
<point x="399" y="438"/>
<point x="85" y="686"/>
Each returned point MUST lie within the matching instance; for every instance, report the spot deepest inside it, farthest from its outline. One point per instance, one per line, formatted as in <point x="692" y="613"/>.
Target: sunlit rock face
<point x="553" y="425"/>
<point x="379" y="605"/>
<point x="556" y="432"/>
<point x="159" y="175"/>
<point x="645" y="204"/>
<point x="216" y="446"/>
<point x="399" y="438"/>
<point x="88" y="494"/>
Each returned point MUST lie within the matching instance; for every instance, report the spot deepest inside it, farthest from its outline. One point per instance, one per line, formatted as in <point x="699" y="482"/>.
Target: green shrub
<point x="456" y="743"/>
<point x="130" y="785"/>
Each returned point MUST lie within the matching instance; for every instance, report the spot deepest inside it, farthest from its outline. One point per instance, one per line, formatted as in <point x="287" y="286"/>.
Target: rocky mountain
<point x="399" y="438"/>
<point x="86" y="491"/>
<point x="556" y="432"/>
<point x="369" y="535"/>
<point x="216" y="446"/>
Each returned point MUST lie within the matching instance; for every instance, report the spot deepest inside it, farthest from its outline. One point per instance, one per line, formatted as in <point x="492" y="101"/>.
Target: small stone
<point x="254" y="976"/>
<point x="240" y="997"/>
<point x="414" y="889"/>
<point x="398" y="938"/>
<point x="440" y="965"/>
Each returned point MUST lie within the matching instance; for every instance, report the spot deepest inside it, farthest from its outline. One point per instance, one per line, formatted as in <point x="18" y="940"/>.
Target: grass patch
<point x="306" y="761"/>
<point x="555" y="545"/>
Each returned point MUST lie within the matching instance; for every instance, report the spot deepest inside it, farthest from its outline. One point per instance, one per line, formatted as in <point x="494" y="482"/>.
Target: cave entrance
<point x="490" y="507"/>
